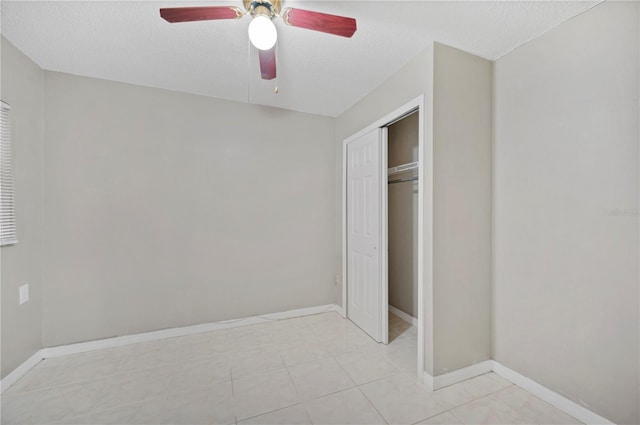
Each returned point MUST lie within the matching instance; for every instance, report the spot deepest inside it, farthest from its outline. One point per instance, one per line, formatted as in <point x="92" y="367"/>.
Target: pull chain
<point x="276" y="90"/>
<point x="248" y="70"/>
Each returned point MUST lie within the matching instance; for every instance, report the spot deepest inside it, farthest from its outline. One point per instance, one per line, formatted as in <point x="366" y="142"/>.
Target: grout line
<point x="295" y="387"/>
<point x="372" y="405"/>
<point x="330" y="394"/>
<point x="359" y="389"/>
<point x="377" y="380"/>
<point x="469" y="402"/>
<point x="306" y="412"/>
<point x="270" y="411"/>
<point x="452" y="414"/>
<point x="280" y="408"/>
<point x="343" y="369"/>
<point x="476" y="398"/>
<point x="233" y="392"/>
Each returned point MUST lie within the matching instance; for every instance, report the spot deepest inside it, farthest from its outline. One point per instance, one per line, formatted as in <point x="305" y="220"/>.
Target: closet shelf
<point x="402" y="168"/>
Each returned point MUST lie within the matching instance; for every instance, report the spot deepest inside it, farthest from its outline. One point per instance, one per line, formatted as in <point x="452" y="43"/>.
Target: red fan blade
<point x="332" y="24"/>
<point x="187" y="14"/>
<point x="268" y="63"/>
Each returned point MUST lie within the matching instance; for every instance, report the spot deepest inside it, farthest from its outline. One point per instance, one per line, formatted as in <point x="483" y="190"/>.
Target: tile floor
<point x="318" y="369"/>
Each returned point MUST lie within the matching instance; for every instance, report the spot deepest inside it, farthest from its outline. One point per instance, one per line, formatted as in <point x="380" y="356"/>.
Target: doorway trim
<point x="394" y="116"/>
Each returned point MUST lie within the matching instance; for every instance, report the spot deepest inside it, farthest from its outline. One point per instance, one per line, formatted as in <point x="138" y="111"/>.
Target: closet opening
<point x="402" y="238"/>
<point x="386" y="235"/>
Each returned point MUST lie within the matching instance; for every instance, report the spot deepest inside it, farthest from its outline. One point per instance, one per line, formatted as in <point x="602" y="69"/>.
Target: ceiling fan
<point x="262" y="31"/>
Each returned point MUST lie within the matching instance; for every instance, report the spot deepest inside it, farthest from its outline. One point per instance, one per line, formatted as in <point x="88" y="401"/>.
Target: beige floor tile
<point x="445" y="418"/>
<point x="82" y="367"/>
<point x="489" y="410"/>
<point x="471" y="389"/>
<point x="188" y="376"/>
<point x="493" y="382"/>
<point x="403" y="354"/>
<point x="39" y="377"/>
<point x="150" y="355"/>
<point x="352" y="340"/>
<point x="286" y="371"/>
<point x="128" y="388"/>
<point x="248" y="340"/>
<point x="261" y="394"/>
<point x="50" y="404"/>
<point x="211" y="405"/>
<point x="297" y="353"/>
<point x="320" y="377"/>
<point x="346" y="407"/>
<point x="401" y="399"/>
<point x="148" y="412"/>
<point x="531" y="407"/>
<point x="399" y="343"/>
<point x="406" y="363"/>
<point x="365" y="367"/>
<point x="294" y="415"/>
<point x="255" y="362"/>
<point x="199" y="351"/>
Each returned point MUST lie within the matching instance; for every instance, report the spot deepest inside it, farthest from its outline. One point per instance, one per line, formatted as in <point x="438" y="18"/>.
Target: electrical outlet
<point x="24" y="293"/>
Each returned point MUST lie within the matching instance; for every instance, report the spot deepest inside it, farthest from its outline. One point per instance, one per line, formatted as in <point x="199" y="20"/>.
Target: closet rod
<point x="403" y="168"/>
<point x="403" y="180"/>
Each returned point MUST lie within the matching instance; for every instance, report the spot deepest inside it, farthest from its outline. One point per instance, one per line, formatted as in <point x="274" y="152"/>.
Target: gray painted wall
<point x="461" y="209"/>
<point x="23" y="88"/>
<point x="566" y="169"/>
<point x="166" y="209"/>
<point x="403" y="217"/>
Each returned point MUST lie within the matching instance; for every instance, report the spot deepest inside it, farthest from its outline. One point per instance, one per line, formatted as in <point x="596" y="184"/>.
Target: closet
<point x="453" y="96"/>
<point x="402" y="217"/>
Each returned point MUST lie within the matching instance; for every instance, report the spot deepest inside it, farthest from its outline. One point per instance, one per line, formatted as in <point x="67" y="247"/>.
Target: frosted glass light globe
<point x="262" y="33"/>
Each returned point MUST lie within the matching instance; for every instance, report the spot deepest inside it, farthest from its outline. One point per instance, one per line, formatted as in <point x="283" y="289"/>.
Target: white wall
<point x="23" y="88"/>
<point x="566" y="210"/>
<point x="166" y="209"/>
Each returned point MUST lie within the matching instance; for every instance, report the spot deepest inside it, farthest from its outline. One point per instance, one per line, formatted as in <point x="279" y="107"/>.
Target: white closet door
<point x="364" y="225"/>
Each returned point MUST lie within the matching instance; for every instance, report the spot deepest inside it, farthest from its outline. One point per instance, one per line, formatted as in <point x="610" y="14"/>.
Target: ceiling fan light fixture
<point x="262" y="32"/>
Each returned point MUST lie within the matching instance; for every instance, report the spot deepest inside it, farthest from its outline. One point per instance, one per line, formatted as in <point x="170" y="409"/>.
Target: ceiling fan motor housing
<point x="268" y="8"/>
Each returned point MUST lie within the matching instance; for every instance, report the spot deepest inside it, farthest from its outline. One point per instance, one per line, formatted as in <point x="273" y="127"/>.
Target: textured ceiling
<point x="318" y="73"/>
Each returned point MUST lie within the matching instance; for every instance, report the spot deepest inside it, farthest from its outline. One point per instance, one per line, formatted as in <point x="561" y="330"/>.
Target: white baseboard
<point x="459" y="375"/>
<point x="427" y="380"/>
<point x="404" y="316"/>
<point x="20" y="371"/>
<point x="455" y="376"/>
<point x="558" y="401"/>
<point x="120" y="341"/>
<point x="434" y="382"/>
<point x="83" y="347"/>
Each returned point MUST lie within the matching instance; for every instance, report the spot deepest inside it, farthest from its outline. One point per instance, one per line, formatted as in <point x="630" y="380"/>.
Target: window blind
<point x="7" y="208"/>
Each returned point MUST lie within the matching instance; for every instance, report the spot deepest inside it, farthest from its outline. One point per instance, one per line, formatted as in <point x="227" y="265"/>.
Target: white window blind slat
<point x="8" y="233"/>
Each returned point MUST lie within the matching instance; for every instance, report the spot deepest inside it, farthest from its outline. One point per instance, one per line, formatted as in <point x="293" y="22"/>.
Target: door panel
<point x="364" y="277"/>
